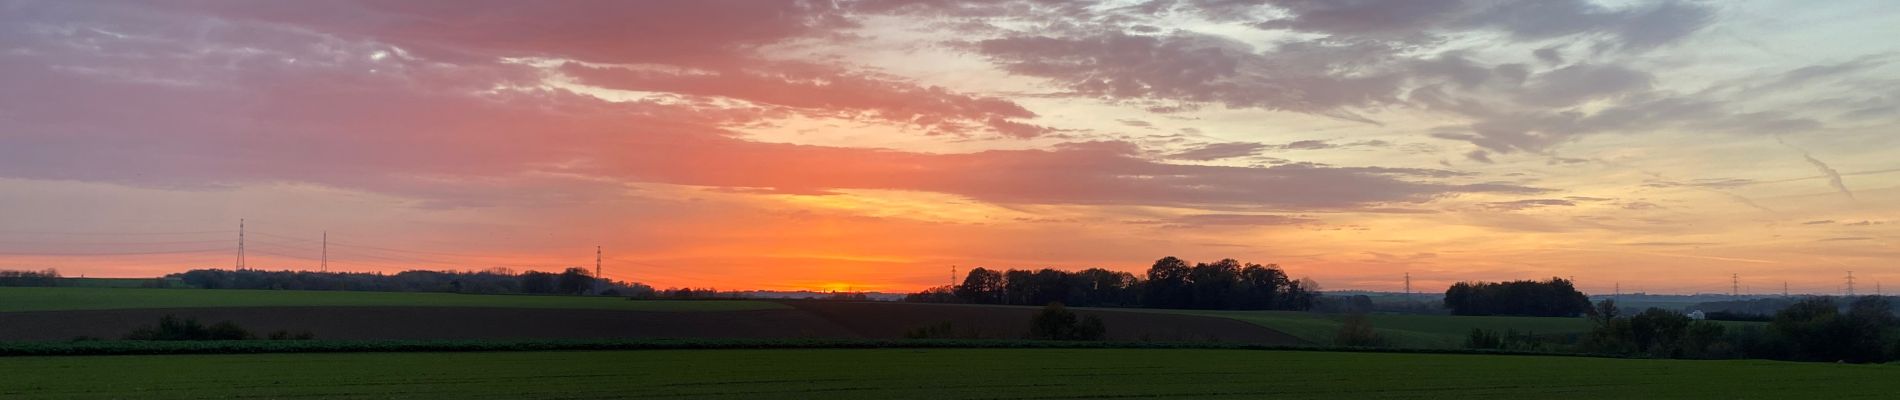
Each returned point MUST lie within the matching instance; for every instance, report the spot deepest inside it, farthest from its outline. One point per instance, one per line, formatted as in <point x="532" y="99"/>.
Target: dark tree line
<point x="1813" y="329"/>
<point x="493" y="281"/>
<point x="1169" y="283"/>
<point x="1552" y="298"/>
<point x="47" y="277"/>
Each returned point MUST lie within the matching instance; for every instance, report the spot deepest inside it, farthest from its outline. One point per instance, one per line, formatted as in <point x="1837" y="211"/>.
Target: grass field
<point x="71" y="298"/>
<point x="110" y="282"/>
<point x="1404" y="330"/>
<point x="926" y="373"/>
<point x="1401" y="330"/>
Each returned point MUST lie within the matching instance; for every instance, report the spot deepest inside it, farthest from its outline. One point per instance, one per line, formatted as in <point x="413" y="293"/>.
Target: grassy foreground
<point x="925" y="373"/>
<point x="77" y="298"/>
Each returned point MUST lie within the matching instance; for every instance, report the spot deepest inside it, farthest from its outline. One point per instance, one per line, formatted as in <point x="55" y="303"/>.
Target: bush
<point x="287" y="335"/>
<point x="936" y="331"/>
<point x="1357" y="331"/>
<point x="1483" y="339"/>
<point x="1056" y="322"/>
<point x="171" y="327"/>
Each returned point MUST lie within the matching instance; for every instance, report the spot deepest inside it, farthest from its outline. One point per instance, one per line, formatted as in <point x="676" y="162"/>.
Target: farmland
<point x="925" y="373"/>
<point x="71" y="298"/>
<point x="1419" y="331"/>
<point x="107" y="312"/>
<point x="1405" y="330"/>
<point x="57" y="314"/>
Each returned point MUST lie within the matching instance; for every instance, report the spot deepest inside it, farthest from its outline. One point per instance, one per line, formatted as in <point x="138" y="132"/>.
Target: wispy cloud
<point x="1833" y="176"/>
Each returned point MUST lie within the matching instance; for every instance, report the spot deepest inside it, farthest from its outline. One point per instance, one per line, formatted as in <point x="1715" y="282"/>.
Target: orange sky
<point x="873" y="145"/>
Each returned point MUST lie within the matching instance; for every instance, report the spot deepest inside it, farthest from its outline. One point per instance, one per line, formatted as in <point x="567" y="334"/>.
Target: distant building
<point x="1697" y="315"/>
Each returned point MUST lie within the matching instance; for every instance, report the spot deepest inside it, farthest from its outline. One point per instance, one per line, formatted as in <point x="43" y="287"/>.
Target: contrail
<point x="1744" y="200"/>
<point x="1738" y="198"/>
<point x="1833" y="177"/>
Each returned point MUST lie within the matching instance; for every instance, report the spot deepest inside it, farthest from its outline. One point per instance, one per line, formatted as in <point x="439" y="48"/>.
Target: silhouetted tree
<point x="981" y="286"/>
<point x="1171" y="283"/>
<point x="940" y="294"/>
<point x="1553" y="298"/>
<point x="1215" y="285"/>
<point x="1263" y="286"/>
<point x="537" y="282"/>
<point x="1819" y="331"/>
<point x="1168" y="284"/>
<point x="46" y="277"/>
<point x="1101" y="287"/>
<point x="575" y="281"/>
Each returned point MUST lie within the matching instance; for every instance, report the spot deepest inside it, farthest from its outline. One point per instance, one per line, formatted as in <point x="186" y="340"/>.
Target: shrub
<point x="287" y="335"/>
<point x="171" y="327"/>
<point x="1483" y="339"/>
<point x="1056" y="322"/>
<point x="1357" y="331"/>
<point x="1091" y="328"/>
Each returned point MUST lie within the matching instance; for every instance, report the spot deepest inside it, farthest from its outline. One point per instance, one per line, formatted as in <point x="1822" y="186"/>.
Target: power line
<point x="1850" y="283"/>
<point x="240" y="254"/>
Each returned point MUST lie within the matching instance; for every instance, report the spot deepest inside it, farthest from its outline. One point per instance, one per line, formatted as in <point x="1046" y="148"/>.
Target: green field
<point x="70" y="298"/>
<point x="1400" y="330"/>
<point x="926" y="373"/>
<point x="113" y="282"/>
<point x="1406" y="330"/>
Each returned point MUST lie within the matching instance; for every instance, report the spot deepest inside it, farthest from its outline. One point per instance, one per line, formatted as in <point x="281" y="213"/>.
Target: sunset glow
<point x="874" y="145"/>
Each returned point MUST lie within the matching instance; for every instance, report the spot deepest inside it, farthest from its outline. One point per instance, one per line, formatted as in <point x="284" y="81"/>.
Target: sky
<point x="1636" y="146"/>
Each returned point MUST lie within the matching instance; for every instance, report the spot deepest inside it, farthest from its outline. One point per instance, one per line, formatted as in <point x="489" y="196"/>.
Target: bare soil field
<point x="805" y="319"/>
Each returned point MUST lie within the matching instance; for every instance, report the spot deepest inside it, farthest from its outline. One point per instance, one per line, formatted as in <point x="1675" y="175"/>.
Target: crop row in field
<point x="926" y="373"/>
<point x="75" y="298"/>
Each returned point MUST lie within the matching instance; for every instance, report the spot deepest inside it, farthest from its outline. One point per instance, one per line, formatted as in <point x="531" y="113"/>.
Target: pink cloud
<point x="822" y="91"/>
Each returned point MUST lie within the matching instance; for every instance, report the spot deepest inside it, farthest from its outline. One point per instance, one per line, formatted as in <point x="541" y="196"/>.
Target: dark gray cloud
<point x="1185" y="70"/>
<point x="1633" y="27"/>
<point x="1577" y="83"/>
